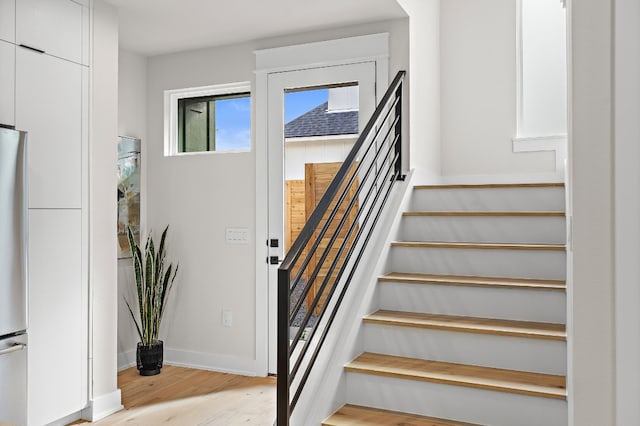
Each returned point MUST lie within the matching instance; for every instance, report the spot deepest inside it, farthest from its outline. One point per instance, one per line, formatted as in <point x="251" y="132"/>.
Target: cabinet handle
<point x="14" y="348"/>
<point x="32" y="48"/>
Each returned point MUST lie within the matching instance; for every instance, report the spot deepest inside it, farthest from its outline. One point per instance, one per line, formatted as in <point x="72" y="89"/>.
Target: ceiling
<point x="154" y="27"/>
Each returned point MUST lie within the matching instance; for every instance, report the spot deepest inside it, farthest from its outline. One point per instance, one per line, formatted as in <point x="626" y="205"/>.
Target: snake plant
<point x="153" y="283"/>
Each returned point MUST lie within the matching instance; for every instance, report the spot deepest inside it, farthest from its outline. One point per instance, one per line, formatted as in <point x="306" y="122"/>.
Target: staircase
<point x="470" y="327"/>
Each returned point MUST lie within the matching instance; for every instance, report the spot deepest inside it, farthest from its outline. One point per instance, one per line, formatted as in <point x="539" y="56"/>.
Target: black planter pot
<point x="149" y="358"/>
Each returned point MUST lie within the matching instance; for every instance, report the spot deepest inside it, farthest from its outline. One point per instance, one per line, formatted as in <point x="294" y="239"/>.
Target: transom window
<point x="214" y="123"/>
<point x="208" y="119"/>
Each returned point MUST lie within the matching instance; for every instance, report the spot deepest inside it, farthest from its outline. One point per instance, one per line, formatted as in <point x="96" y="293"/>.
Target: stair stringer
<point x="325" y="390"/>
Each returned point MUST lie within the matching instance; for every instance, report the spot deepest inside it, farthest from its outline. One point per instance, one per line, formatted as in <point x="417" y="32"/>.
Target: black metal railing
<point x="318" y="269"/>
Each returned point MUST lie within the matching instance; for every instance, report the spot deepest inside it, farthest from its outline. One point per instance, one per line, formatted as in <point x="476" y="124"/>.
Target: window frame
<point x="171" y="127"/>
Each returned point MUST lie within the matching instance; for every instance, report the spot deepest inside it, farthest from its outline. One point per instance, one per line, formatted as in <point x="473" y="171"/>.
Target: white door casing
<point x="313" y="64"/>
<point x="364" y="74"/>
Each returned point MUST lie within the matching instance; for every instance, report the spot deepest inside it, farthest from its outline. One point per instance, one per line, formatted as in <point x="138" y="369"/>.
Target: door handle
<point x="16" y="347"/>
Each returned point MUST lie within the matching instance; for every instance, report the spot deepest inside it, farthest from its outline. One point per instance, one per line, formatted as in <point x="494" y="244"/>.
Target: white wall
<point x="298" y="153"/>
<point x="132" y="121"/>
<point x="627" y="209"/>
<point x="591" y="276"/>
<point x="424" y="136"/>
<point x="201" y="195"/>
<point x="103" y="387"/>
<point x="478" y="91"/>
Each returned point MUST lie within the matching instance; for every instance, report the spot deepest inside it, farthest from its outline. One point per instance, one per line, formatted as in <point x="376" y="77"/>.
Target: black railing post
<point x="283" y="413"/>
<point x="398" y="130"/>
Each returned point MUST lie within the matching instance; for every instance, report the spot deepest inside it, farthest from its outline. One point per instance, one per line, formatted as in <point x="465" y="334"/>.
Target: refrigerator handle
<point x="14" y="348"/>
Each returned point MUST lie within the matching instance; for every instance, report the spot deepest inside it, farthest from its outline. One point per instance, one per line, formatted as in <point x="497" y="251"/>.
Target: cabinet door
<point x="54" y="26"/>
<point x="57" y="344"/>
<point x="8" y="20"/>
<point x="49" y="108"/>
<point x="7" y="81"/>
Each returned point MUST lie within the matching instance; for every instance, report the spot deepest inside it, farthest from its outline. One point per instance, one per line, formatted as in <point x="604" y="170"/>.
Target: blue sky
<point x="233" y="124"/>
<point x="297" y="103"/>
<point x="233" y="117"/>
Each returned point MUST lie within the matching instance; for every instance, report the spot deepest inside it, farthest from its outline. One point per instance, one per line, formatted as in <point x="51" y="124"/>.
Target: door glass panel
<point x="320" y="128"/>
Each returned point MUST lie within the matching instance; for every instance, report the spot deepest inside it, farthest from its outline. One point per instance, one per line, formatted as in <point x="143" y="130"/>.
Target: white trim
<point x="126" y="359"/>
<point x="211" y="362"/>
<point x="555" y="143"/>
<point x="331" y="138"/>
<point x="292" y="58"/>
<point x="262" y="220"/>
<point x="67" y="419"/>
<point x="171" y="98"/>
<point x="103" y="406"/>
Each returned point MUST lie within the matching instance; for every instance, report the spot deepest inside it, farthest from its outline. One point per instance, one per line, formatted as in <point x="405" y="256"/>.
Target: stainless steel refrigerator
<point x="13" y="277"/>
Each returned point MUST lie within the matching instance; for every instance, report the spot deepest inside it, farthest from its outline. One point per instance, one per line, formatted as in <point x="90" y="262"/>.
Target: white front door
<point x="364" y="75"/>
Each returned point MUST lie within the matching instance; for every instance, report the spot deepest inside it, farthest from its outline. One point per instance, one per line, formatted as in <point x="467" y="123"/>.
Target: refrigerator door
<point x="13" y="382"/>
<point x="13" y="234"/>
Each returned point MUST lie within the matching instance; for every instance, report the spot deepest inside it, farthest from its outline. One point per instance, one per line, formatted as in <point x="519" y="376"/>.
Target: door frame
<point x="369" y="48"/>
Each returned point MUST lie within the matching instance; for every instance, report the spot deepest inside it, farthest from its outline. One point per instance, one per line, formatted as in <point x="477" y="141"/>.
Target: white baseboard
<point x="211" y="362"/>
<point x="103" y="406"/>
<point x="126" y="359"/>
<point x="67" y="419"/>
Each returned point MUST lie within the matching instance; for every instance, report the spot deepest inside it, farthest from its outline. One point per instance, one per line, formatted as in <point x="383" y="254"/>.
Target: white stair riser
<point x="513" y="353"/>
<point x="472" y="405"/>
<point x="540" y="264"/>
<point x="483" y="229"/>
<point x="502" y="303"/>
<point x="489" y="199"/>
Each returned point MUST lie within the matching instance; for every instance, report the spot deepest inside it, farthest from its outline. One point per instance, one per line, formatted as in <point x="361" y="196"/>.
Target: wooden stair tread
<point x="486" y="213"/>
<point x="353" y="415"/>
<point x="493" y="185"/>
<point x="469" y="324"/>
<point x="520" y="382"/>
<point x="482" y="246"/>
<point x="557" y="285"/>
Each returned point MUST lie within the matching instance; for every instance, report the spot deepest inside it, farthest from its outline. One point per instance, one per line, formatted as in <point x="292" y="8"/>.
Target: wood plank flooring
<point x="184" y="397"/>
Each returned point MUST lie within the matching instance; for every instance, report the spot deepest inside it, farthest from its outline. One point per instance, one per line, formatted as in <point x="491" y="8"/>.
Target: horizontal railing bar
<point x="329" y="246"/>
<point x="325" y="201"/>
<point x="331" y="318"/>
<point x="332" y="214"/>
<point x="335" y="193"/>
<point x="327" y="250"/>
<point x="293" y="372"/>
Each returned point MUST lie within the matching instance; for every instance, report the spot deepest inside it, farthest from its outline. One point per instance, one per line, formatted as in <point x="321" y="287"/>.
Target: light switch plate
<point x="237" y="235"/>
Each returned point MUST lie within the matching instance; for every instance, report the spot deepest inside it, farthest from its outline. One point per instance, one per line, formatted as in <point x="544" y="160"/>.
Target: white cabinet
<point x="7" y="79"/>
<point x="49" y="107"/>
<point x="57" y="299"/>
<point x="53" y="26"/>
<point x="8" y="20"/>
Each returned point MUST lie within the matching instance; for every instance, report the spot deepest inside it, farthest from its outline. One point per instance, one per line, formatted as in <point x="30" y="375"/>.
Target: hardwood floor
<point x="185" y="397"/>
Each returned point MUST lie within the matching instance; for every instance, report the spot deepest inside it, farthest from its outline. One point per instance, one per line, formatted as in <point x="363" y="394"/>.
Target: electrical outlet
<point x="227" y="317"/>
<point x="237" y="235"/>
